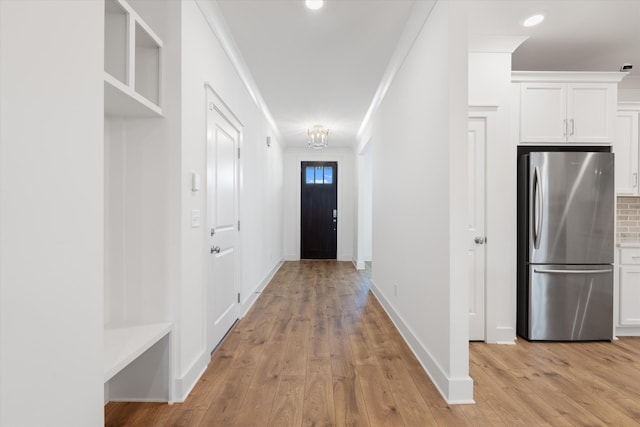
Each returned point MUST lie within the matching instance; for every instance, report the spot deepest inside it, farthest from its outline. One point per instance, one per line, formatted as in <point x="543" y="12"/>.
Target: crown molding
<point x="495" y="44"/>
<point x="220" y="29"/>
<point x="567" y="76"/>
<point x="417" y="19"/>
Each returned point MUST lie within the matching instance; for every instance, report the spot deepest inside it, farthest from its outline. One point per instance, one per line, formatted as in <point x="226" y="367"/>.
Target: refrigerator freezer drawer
<point x="570" y="302"/>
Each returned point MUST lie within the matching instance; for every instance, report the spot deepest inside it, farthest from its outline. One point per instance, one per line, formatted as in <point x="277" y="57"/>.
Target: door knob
<point x="479" y="240"/>
<point x="215" y="249"/>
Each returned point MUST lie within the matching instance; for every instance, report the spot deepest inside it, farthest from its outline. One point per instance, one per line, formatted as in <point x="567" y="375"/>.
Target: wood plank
<point x="349" y="404"/>
<point x="259" y="398"/>
<point x="317" y="348"/>
<point x="318" y="407"/>
<point x="185" y="418"/>
<point x="127" y="414"/>
<point x="382" y="408"/>
<point x="225" y="400"/>
<point x="288" y="402"/>
<point x="297" y="347"/>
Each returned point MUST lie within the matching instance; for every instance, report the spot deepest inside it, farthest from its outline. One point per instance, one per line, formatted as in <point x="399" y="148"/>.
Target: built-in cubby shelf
<point x="132" y="63"/>
<point x="138" y="338"/>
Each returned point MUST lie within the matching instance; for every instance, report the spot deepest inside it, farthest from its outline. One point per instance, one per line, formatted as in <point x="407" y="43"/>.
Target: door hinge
<point x="238" y="152"/>
<point x="238" y="297"/>
<point x="238" y="225"/>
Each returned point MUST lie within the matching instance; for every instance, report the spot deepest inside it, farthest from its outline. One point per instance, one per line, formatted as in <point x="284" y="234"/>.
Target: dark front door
<point x="319" y="210"/>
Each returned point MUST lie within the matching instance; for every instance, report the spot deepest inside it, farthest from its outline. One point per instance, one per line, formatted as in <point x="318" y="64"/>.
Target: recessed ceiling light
<point x="314" y="4"/>
<point x="532" y="21"/>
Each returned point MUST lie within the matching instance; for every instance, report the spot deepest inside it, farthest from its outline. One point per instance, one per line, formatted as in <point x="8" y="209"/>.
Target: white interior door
<point x="476" y="229"/>
<point x="222" y="223"/>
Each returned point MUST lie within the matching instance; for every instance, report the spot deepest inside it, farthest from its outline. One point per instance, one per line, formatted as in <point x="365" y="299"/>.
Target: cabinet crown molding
<point x="567" y="76"/>
<point x="629" y="106"/>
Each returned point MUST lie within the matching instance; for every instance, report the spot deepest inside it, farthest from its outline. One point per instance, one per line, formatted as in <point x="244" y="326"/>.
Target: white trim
<point x="224" y="109"/>
<point x="629" y="106"/>
<point x="567" y="76"/>
<point x="248" y="302"/>
<point x="418" y="17"/>
<point x="455" y="391"/>
<point x="495" y="44"/>
<point x="212" y="97"/>
<point x="182" y="386"/>
<point x="481" y="111"/>
<point x="626" y="331"/>
<point x="505" y="335"/>
<point x="220" y="29"/>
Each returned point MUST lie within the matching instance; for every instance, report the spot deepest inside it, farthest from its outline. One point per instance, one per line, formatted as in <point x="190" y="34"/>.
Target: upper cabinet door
<point x="625" y="147"/>
<point x="543" y="113"/>
<point x="567" y="108"/>
<point x="591" y="112"/>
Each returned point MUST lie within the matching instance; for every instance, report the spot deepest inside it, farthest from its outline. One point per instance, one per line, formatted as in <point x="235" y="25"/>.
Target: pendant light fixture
<point x="318" y="137"/>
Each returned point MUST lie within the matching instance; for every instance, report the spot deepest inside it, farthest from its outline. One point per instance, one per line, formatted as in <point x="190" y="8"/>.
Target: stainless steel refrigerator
<point x="566" y="219"/>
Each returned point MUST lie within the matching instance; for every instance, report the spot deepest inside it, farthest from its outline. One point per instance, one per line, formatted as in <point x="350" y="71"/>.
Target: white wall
<point x="51" y="213"/>
<point x="490" y="85"/>
<point x="291" y="198"/>
<point x="419" y="201"/>
<point x="204" y="60"/>
<point x="364" y="208"/>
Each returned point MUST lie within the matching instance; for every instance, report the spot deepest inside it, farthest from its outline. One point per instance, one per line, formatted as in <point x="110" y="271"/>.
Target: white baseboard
<point x="183" y="385"/>
<point x="455" y="391"/>
<point x="292" y="257"/>
<point x="626" y="331"/>
<point x="345" y="257"/>
<point x="139" y="400"/>
<point x="501" y="335"/>
<point x="359" y="265"/>
<point x="248" y="303"/>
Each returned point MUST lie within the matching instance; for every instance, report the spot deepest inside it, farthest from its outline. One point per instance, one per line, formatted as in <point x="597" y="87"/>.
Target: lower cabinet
<point x="628" y="295"/>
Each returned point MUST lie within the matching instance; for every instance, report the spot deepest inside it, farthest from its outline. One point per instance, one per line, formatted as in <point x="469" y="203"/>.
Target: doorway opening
<point x="319" y="210"/>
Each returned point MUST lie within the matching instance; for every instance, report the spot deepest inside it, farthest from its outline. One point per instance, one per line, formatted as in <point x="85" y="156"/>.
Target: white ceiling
<point x="576" y="35"/>
<point x="324" y="67"/>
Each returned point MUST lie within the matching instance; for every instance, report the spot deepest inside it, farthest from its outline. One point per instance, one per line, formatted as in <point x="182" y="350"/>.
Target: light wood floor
<point x="318" y="350"/>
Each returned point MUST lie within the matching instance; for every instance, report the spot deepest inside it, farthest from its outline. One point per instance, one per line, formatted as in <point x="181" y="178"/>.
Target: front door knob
<point x="215" y="249"/>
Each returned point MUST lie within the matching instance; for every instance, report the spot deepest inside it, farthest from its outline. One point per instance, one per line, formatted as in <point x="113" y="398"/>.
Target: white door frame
<point x="484" y="113"/>
<point x="213" y="100"/>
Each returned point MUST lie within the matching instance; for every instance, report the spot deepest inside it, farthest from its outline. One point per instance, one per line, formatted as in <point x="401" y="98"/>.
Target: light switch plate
<point x="195" y="181"/>
<point x="195" y="218"/>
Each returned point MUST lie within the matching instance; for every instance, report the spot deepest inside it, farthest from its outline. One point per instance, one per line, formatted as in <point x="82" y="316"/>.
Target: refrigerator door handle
<point x="535" y="270"/>
<point x="537" y="188"/>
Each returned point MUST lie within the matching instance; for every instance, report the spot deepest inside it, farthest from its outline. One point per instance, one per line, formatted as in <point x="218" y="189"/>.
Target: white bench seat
<point x="123" y="344"/>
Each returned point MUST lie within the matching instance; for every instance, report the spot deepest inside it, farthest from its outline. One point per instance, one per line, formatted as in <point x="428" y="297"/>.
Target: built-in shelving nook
<point x="138" y="328"/>
<point x="132" y="58"/>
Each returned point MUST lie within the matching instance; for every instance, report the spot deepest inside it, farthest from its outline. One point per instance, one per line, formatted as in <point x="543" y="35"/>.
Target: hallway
<point x="317" y="349"/>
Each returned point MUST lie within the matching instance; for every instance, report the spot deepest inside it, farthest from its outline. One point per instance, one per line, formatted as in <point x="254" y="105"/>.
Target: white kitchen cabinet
<point x="629" y="295"/>
<point x="561" y="107"/>
<point x="628" y="292"/>
<point x="625" y="148"/>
